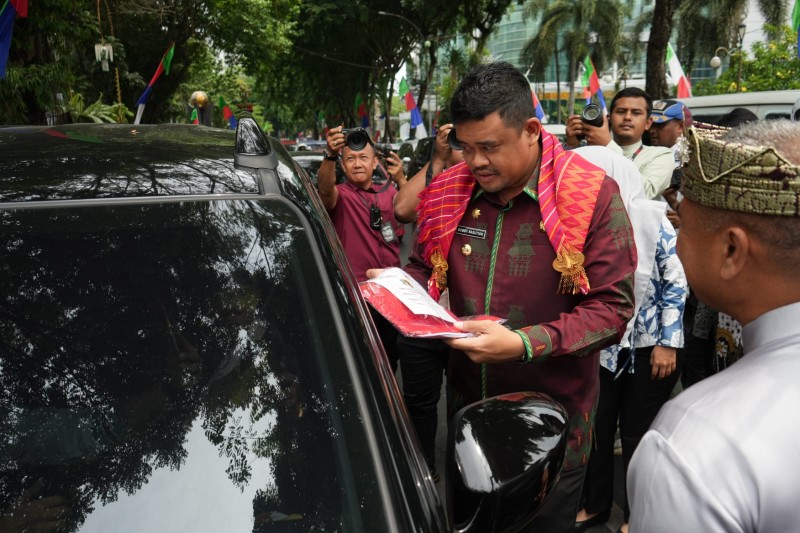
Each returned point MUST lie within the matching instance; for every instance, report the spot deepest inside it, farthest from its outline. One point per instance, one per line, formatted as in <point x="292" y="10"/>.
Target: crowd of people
<point x="611" y="258"/>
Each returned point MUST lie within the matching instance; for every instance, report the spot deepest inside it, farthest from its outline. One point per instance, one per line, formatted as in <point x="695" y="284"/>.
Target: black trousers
<point x="422" y="363"/>
<point x="558" y="512"/>
<point x="634" y="400"/>
<point x="388" y="335"/>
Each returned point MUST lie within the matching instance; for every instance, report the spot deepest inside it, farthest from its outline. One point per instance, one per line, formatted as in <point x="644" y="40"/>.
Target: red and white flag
<point x="677" y="75"/>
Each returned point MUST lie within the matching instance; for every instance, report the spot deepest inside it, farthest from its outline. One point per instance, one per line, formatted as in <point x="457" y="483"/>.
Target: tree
<point x="774" y="67"/>
<point x="578" y="27"/>
<point x="702" y="26"/>
<point x="478" y="19"/>
<point x="52" y="50"/>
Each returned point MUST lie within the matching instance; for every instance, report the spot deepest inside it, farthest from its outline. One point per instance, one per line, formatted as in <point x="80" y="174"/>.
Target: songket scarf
<point x="567" y="188"/>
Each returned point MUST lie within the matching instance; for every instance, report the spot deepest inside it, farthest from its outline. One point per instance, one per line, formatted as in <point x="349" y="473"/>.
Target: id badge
<point x="388" y="232"/>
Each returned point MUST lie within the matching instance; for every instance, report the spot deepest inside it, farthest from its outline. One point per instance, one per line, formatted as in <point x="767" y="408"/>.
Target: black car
<point x="184" y="348"/>
<point x="309" y="162"/>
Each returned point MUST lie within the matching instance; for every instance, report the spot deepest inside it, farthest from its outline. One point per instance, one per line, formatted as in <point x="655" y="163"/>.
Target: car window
<point x="175" y="367"/>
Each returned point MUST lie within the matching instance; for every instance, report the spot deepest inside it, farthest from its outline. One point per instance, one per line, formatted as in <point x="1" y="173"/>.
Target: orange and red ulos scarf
<point x="568" y="187"/>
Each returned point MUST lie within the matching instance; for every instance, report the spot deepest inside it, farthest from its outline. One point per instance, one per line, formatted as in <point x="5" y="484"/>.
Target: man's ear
<point x="736" y="248"/>
<point x="649" y="123"/>
<point x="534" y="129"/>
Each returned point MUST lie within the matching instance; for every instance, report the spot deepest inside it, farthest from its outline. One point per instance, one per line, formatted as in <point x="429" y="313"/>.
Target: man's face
<point x="697" y="252"/>
<point x="666" y="134"/>
<point x="501" y="157"/>
<point x="359" y="165"/>
<point x="629" y="120"/>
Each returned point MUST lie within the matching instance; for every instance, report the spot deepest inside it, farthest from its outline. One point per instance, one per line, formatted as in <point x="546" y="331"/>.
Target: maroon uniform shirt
<point x="364" y="246"/>
<point x="501" y="263"/>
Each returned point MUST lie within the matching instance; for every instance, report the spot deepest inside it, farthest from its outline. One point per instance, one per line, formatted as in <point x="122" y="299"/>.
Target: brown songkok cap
<point x="739" y="177"/>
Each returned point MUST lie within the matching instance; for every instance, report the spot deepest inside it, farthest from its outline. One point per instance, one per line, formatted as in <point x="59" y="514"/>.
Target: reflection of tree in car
<point x="133" y="340"/>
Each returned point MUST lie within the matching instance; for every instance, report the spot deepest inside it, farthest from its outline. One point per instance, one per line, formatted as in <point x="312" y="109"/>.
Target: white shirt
<point x="724" y="455"/>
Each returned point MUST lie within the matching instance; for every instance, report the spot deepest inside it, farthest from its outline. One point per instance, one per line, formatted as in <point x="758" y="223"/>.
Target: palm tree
<point x="702" y="26"/>
<point x="577" y="27"/>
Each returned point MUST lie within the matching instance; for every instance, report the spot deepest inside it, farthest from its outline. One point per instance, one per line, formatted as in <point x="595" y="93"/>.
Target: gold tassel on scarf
<point x="439" y="269"/>
<point x="573" y="276"/>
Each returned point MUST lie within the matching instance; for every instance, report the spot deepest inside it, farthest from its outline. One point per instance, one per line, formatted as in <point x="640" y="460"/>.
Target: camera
<point x="375" y="218"/>
<point x="452" y="140"/>
<point x="383" y="149"/>
<point x="356" y="138"/>
<point x="592" y="114"/>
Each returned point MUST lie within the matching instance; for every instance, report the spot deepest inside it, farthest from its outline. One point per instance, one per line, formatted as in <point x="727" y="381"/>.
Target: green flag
<point x="403" y="88"/>
<point x="167" y="59"/>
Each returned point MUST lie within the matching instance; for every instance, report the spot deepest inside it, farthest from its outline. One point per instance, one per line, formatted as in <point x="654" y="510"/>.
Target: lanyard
<point x="636" y="152"/>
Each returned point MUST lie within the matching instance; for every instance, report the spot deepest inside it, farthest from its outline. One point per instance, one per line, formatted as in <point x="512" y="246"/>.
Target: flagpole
<point x="139" y="113"/>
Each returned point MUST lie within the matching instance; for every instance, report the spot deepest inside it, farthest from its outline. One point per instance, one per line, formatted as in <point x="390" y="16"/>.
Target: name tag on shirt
<point x="471" y="232"/>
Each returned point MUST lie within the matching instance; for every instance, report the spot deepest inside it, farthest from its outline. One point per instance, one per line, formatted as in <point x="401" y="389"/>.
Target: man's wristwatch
<point x="329" y="156"/>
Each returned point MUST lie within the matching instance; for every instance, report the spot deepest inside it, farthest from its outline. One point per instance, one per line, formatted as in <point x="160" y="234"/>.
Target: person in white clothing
<point x="723" y="455"/>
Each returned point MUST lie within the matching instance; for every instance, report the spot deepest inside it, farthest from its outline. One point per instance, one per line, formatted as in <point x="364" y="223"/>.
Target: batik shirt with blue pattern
<point x="660" y="318"/>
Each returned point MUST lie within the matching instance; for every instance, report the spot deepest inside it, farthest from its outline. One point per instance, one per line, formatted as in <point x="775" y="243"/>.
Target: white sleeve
<point x="666" y="495"/>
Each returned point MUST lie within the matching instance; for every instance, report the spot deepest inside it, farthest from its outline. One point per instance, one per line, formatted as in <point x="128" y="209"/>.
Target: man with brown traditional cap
<point x="529" y="232"/>
<point x="723" y="455"/>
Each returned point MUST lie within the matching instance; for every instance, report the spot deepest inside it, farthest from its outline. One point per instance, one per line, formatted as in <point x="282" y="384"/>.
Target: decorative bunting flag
<point x="163" y="66"/>
<point x="405" y="93"/>
<point x="227" y="114"/>
<point x="796" y="23"/>
<point x="361" y="111"/>
<point x="10" y="10"/>
<point x="411" y="105"/>
<point x="591" y="84"/>
<point x="589" y="79"/>
<point x="677" y="75"/>
<point x="536" y="104"/>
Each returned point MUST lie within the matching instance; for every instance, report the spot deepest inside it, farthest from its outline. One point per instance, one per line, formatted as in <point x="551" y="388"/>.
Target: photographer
<point x="442" y="157"/>
<point x="363" y="212"/>
<point x="630" y="118"/>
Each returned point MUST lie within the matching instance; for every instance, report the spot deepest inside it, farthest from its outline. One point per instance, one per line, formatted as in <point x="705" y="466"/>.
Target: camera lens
<point x="593" y="115"/>
<point x="357" y="140"/>
<point x="452" y="140"/>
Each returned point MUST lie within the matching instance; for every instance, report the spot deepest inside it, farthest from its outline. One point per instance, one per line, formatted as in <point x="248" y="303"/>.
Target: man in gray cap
<point x="723" y="455"/>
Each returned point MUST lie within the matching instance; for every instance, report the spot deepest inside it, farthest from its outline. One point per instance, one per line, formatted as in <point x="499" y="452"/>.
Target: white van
<point x="767" y="105"/>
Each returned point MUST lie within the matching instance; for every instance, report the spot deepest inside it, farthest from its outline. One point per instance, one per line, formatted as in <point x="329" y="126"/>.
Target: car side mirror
<point x="504" y="456"/>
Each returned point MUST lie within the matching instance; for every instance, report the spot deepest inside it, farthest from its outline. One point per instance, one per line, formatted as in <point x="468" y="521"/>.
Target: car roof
<point x="118" y="160"/>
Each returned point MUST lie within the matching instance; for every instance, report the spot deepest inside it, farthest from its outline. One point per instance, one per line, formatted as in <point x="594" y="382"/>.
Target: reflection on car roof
<point x="117" y="160"/>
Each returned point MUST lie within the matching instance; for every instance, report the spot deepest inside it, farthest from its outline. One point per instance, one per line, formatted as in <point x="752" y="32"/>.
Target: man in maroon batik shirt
<point x="363" y="212"/>
<point x="529" y="232"/>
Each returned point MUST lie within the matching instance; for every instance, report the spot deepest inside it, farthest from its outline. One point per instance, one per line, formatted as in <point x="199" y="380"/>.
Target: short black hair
<point x="632" y="92"/>
<point x="736" y="117"/>
<point x="497" y="86"/>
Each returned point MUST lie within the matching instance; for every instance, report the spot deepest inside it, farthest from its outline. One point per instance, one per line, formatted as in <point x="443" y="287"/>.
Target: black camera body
<point x="382" y="149"/>
<point x="592" y="114"/>
<point x="356" y="138"/>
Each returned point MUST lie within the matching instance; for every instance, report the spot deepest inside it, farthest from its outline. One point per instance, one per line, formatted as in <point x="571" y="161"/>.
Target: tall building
<point x="515" y="30"/>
